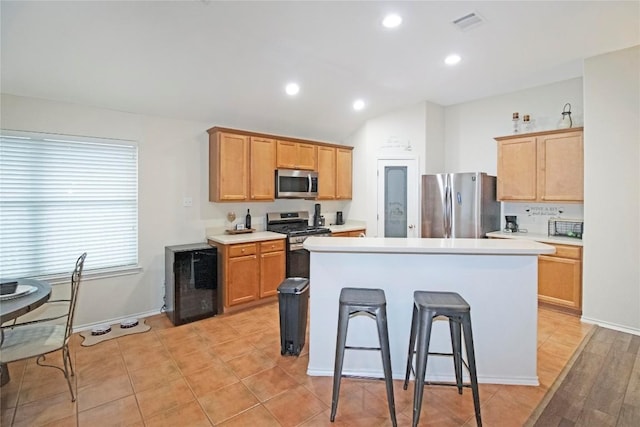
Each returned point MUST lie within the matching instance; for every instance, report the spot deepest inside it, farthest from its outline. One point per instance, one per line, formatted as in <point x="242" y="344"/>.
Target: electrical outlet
<point x="187" y="202"/>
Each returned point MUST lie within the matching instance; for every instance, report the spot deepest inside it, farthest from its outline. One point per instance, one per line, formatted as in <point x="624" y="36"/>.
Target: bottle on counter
<point x="247" y="220"/>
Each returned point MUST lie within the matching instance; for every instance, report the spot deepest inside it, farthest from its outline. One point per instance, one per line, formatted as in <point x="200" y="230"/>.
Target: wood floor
<point x="602" y="388"/>
<point x="228" y="371"/>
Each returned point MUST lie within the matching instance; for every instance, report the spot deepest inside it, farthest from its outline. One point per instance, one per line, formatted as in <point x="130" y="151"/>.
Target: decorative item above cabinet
<point x="541" y="166"/>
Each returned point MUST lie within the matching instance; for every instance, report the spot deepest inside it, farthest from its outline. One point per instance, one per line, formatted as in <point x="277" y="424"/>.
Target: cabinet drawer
<point x="272" y="246"/>
<point x="566" y="251"/>
<point x="242" y="250"/>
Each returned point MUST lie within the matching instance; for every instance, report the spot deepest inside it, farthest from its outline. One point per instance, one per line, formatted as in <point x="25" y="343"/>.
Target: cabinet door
<point x="517" y="169"/>
<point x="560" y="281"/>
<point x="307" y="157"/>
<point x="340" y="234"/>
<point x="326" y="173"/>
<point x="286" y="154"/>
<point x="263" y="164"/>
<point x="242" y="279"/>
<point x="228" y="167"/>
<point x="272" y="272"/>
<point x="560" y="159"/>
<point x="343" y="174"/>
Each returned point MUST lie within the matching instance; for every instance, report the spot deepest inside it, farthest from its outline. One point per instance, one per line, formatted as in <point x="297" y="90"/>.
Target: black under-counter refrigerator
<point x="191" y="282"/>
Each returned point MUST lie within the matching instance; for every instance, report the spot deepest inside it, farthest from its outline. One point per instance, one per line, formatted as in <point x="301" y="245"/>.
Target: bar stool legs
<point x="428" y="305"/>
<point x="371" y="302"/>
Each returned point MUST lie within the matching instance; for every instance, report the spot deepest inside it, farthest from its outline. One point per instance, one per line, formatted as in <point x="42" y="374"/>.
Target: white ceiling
<point x="226" y="63"/>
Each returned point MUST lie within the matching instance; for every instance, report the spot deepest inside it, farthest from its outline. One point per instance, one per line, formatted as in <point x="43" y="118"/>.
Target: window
<point x="61" y="196"/>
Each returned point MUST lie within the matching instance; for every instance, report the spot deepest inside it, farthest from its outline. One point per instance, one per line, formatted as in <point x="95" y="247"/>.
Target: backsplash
<point x="534" y="217"/>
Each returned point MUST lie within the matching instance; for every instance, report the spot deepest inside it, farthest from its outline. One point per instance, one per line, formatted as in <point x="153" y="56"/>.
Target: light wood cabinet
<point x="228" y="167"/>
<point x="242" y="273"/>
<point x="272" y="267"/>
<point x="344" y="173"/>
<point x="263" y="165"/>
<point x="560" y="278"/>
<point x="543" y="166"/>
<point x="326" y="173"/>
<point x="250" y="272"/>
<point x="242" y="165"/>
<point x="296" y="155"/>
<point x="334" y="173"/>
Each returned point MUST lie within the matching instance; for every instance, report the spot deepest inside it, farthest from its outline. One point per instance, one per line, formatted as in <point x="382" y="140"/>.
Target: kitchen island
<point x="498" y="278"/>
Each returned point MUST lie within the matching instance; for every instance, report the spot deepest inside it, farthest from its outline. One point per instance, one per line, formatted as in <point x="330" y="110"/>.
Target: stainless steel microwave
<point x="296" y="184"/>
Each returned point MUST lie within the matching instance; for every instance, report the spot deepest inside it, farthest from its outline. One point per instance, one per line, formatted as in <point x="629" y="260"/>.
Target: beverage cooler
<point x="191" y="282"/>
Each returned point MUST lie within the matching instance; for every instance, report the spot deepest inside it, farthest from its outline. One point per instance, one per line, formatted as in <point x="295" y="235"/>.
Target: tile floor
<point x="228" y="371"/>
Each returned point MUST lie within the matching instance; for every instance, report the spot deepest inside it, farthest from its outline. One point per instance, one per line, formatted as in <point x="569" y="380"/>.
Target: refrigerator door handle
<point x="447" y="210"/>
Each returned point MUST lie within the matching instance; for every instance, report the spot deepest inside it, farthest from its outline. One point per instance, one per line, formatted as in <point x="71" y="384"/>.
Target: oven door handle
<point x="296" y="246"/>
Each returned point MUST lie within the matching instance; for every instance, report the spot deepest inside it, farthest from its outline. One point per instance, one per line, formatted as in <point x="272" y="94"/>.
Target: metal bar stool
<point x="372" y="303"/>
<point x="428" y="305"/>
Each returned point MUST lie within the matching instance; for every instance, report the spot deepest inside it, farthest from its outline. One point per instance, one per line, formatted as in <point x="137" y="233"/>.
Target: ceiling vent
<point x="468" y="21"/>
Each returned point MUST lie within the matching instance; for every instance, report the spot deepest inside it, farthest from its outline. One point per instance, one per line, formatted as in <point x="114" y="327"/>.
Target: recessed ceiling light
<point x="452" y="59"/>
<point x="358" y="104"/>
<point x="392" y="20"/>
<point x="292" y="89"/>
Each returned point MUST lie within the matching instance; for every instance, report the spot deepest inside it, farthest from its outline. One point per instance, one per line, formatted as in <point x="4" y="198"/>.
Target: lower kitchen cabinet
<point x="242" y="274"/>
<point x="250" y="271"/>
<point x="272" y="267"/>
<point x="560" y="278"/>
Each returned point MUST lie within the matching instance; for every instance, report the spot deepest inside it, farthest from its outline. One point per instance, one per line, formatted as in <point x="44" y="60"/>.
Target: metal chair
<point x="428" y="305"/>
<point x="39" y="337"/>
<point x="372" y="303"/>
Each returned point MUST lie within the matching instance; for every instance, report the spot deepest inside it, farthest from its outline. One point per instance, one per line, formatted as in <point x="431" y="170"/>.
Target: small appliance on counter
<point x="339" y="218"/>
<point x="511" y="225"/>
<point x="318" y="219"/>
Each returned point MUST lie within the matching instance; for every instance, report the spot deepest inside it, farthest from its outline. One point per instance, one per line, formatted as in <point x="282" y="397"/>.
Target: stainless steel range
<point x="296" y="226"/>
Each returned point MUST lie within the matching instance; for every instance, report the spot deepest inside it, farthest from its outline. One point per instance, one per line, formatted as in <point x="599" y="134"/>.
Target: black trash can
<point x="293" y="300"/>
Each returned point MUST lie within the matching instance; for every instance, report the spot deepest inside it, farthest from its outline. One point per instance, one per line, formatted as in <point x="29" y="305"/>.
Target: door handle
<point x="411" y="227"/>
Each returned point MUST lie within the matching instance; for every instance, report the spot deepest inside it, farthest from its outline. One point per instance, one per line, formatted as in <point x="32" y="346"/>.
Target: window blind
<point x="61" y="196"/>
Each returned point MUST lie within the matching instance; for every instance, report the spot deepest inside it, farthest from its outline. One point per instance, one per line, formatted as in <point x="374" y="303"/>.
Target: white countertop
<point x="349" y="226"/>
<point x="537" y="237"/>
<point x="256" y="236"/>
<point x="427" y="246"/>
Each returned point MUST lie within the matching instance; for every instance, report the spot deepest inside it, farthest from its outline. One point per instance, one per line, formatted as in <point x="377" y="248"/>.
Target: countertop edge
<point x="427" y="246"/>
<point x="543" y="238"/>
<point x="258" y="236"/>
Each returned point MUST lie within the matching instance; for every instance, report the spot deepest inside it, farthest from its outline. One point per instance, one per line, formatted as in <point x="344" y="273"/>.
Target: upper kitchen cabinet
<point x="263" y="163"/>
<point x="541" y="167"/>
<point x="334" y="173"/>
<point x="344" y="177"/>
<point x="240" y="167"/>
<point x="326" y="173"/>
<point x="296" y="155"/>
<point x="228" y="167"/>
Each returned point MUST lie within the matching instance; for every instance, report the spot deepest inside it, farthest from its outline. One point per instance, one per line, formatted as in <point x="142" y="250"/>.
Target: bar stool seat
<point x="370" y="302"/>
<point x="428" y="305"/>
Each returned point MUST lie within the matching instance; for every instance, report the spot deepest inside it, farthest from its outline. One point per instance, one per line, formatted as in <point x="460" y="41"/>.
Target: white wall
<point x="471" y="127"/>
<point x="411" y="132"/>
<point x="611" y="294"/>
<point x="173" y="164"/>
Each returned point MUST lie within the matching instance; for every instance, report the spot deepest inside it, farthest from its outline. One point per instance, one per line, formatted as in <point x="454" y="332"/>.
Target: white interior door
<point x="398" y="198"/>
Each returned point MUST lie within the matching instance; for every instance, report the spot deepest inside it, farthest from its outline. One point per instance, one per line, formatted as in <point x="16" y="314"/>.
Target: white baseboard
<point x="608" y="325"/>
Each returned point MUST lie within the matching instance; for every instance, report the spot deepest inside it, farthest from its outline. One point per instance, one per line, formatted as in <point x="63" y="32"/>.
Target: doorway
<point x="398" y="193"/>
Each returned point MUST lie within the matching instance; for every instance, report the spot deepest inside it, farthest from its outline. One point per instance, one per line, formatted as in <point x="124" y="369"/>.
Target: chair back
<point x="76" y="276"/>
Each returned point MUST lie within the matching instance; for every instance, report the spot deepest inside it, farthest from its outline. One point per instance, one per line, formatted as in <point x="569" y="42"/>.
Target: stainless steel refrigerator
<point x="459" y="205"/>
